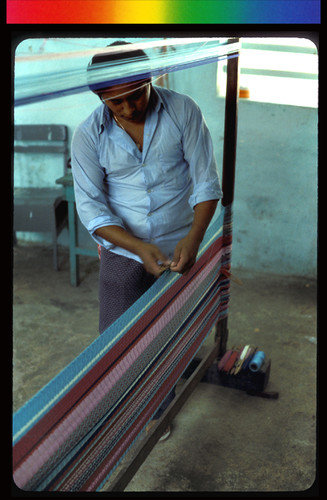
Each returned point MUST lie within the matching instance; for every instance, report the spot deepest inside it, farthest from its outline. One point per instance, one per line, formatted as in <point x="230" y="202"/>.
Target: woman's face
<point x="128" y="101"/>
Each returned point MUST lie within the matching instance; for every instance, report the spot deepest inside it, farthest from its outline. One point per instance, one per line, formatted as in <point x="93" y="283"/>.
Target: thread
<point x="257" y="361"/>
<point x="47" y="76"/>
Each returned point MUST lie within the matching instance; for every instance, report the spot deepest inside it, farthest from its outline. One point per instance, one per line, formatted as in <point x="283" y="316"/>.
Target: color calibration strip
<point x="163" y="11"/>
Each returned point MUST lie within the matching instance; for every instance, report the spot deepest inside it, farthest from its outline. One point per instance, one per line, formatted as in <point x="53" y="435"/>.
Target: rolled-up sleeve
<point x="91" y="199"/>
<point x="199" y="153"/>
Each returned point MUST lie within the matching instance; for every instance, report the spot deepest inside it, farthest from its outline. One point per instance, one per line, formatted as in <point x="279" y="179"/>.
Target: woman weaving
<point x="146" y="185"/>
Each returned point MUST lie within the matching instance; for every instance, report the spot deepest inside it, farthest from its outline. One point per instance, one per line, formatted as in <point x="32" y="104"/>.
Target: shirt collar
<point x="157" y="102"/>
<point x="104" y="118"/>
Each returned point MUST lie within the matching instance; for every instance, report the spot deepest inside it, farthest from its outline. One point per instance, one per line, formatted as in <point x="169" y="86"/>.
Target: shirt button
<point x="149" y="215"/>
<point x="149" y="190"/>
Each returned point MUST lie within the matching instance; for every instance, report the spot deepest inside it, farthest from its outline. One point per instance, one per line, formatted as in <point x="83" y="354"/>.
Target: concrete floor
<point x="222" y="439"/>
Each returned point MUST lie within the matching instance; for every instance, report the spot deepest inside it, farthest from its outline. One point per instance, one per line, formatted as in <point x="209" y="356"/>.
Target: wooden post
<point x="221" y="336"/>
<point x="230" y="133"/>
<point x="229" y="163"/>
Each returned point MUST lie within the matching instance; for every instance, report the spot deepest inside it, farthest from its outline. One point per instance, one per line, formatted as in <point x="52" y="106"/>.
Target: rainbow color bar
<point x="163" y="11"/>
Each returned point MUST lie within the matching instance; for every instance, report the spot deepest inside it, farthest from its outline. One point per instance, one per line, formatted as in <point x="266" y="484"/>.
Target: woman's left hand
<point x="185" y="254"/>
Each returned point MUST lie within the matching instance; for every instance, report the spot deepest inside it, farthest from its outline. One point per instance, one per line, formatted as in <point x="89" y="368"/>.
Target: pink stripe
<point x="35" y="435"/>
<point x="101" y="475"/>
<point x="67" y="426"/>
<point x="152" y="383"/>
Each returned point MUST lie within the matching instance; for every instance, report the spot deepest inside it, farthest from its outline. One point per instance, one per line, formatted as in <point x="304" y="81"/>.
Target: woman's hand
<point x="185" y="254"/>
<point x="154" y="261"/>
<point x="187" y="248"/>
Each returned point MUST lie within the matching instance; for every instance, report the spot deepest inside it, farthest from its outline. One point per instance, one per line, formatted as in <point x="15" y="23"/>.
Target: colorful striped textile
<point x="72" y="434"/>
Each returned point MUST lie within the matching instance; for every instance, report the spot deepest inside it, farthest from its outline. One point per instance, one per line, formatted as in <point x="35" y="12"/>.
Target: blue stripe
<point x="58" y="387"/>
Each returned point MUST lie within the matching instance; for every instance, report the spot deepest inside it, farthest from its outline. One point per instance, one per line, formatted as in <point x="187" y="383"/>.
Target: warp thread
<point x="73" y="433"/>
<point x="39" y="78"/>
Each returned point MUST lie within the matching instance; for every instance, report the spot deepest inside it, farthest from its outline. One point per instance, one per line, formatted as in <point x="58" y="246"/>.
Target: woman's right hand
<point x="154" y="261"/>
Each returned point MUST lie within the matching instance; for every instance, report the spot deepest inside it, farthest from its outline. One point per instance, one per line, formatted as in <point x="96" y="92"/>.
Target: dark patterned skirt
<point x="121" y="282"/>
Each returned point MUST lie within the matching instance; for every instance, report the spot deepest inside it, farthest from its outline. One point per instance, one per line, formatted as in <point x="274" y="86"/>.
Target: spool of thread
<point x="257" y="361"/>
<point x="224" y="359"/>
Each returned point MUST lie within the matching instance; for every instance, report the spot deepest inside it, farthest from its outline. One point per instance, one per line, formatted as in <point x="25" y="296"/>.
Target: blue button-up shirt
<point x="151" y="194"/>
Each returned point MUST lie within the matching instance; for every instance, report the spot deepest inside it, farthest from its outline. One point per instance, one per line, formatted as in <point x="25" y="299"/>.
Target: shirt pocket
<point x="118" y="163"/>
<point x="171" y="159"/>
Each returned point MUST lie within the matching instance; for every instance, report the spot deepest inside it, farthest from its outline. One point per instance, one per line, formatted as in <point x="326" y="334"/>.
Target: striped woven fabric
<point x="72" y="434"/>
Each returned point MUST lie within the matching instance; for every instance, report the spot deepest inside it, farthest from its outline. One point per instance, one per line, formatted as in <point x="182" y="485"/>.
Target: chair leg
<point x="55" y="251"/>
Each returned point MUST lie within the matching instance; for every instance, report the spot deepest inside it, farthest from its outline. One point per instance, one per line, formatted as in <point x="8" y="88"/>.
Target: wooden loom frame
<point x="142" y="450"/>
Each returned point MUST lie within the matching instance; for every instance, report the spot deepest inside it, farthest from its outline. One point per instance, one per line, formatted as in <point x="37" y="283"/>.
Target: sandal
<point x="165" y="434"/>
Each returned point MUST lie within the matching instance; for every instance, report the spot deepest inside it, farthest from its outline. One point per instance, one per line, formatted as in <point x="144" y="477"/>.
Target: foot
<point x="165" y="434"/>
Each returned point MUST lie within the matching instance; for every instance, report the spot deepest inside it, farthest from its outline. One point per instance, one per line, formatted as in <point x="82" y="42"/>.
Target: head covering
<point x="99" y="68"/>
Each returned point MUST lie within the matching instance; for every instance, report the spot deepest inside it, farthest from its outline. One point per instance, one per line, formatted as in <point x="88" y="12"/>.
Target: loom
<point x="74" y="432"/>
